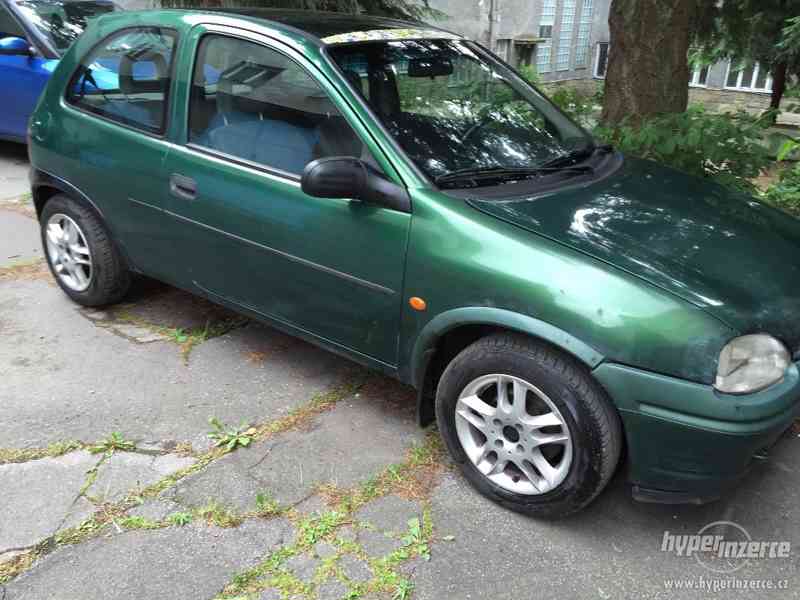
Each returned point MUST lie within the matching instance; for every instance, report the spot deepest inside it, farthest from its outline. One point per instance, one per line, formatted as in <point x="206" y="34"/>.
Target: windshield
<point x="455" y="109"/>
<point x="61" y="22"/>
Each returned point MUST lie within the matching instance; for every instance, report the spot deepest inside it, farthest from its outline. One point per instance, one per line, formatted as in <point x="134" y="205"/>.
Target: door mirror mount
<point x="15" y="46"/>
<point x="349" y="177"/>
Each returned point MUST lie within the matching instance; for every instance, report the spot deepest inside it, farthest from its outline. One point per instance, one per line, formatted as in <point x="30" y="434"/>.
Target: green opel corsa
<point x="397" y="194"/>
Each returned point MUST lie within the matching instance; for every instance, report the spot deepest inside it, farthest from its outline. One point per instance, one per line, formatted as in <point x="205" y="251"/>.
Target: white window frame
<point x="542" y="51"/>
<point x="694" y="81"/>
<point x="739" y="88"/>
<point x="595" y="74"/>
<point x="569" y="13"/>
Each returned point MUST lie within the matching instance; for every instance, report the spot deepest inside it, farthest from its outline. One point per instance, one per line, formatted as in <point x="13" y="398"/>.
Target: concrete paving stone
<point x="270" y="594"/>
<point x="324" y="549"/>
<point x="303" y="566"/>
<point x="155" y="510"/>
<point x="347" y="533"/>
<point x="377" y="543"/>
<point x="38" y="495"/>
<point x="313" y="505"/>
<point x="13" y="170"/>
<point x="354" y="568"/>
<point x="289" y="466"/>
<point x="390" y="513"/>
<point x="144" y="391"/>
<point x="126" y="472"/>
<point x="332" y="590"/>
<point x="180" y="563"/>
<point x="610" y="550"/>
<point x="19" y="239"/>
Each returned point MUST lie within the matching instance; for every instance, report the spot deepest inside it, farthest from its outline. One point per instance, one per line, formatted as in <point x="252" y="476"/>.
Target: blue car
<point x="34" y="34"/>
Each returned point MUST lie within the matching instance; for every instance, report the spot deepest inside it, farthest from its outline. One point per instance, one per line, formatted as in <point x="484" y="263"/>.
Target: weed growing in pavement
<point x="18" y="455"/>
<point x="180" y="518"/>
<point x="228" y="437"/>
<point x="266" y="505"/>
<point x="215" y="513"/>
<point x="135" y="522"/>
<point x="113" y="443"/>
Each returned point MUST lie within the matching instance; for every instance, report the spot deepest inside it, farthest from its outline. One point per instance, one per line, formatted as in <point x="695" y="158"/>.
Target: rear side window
<point x="126" y="78"/>
<point x="254" y="103"/>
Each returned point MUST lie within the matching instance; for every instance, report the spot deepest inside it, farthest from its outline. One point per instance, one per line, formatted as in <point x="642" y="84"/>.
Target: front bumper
<point x="688" y="443"/>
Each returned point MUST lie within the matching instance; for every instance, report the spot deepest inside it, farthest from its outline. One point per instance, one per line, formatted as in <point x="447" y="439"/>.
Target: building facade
<point x="568" y="42"/>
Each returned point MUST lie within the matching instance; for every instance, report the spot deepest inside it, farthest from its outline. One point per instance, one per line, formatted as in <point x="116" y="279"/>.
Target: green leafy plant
<point x="180" y="518"/>
<point x="403" y="590"/>
<point x="114" y="442"/>
<point x="583" y="107"/>
<point x="725" y="147"/>
<point x="266" y="505"/>
<point x="415" y="540"/>
<point x="229" y="437"/>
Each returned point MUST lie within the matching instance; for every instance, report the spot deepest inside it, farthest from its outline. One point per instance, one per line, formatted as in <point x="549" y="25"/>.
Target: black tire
<point x="593" y="422"/>
<point x="110" y="277"/>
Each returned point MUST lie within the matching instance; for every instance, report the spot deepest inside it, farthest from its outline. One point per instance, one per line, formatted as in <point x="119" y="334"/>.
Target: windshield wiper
<point x="569" y="159"/>
<point x="510" y="173"/>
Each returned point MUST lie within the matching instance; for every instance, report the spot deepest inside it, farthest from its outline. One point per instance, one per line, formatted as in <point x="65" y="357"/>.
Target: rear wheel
<point x="81" y="254"/>
<point x="528" y="426"/>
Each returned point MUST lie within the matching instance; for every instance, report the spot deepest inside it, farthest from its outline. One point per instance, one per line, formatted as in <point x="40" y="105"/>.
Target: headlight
<point x="751" y="363"/>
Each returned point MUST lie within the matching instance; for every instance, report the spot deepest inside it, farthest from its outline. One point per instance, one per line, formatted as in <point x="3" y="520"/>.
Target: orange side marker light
<point x="417" y="303"/>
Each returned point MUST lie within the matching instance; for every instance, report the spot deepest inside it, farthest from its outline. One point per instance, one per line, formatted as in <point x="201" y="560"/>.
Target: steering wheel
<point x="482" y="122"/>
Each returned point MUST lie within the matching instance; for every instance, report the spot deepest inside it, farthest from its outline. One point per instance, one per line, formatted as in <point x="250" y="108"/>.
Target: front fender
<point x="496" y="317"/>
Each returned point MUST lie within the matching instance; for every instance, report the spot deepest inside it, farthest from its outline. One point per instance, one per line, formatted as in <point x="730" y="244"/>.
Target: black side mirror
<point x="348" y="177"/>
<point x="14" y="46"/>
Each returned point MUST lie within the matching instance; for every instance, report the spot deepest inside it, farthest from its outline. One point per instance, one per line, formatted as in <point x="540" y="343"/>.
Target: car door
<point x="23" y="75"/>
<point x="117" y="105"/>
<point x="332" y="268"/>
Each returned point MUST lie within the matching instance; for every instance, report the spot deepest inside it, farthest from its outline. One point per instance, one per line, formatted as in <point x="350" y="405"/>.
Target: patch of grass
<point x="267" y="506"/>
<point x="215" y="513"/>
<point x="136" y="522"/>
<point x="25" y="270"/>
<point x="229" y="437"/>
<point x="22" y="562"/>
<point x="403" y="590"/>
<point x="180" y="518"/>
<point x="113" y="443"/>
<point x="314" y="529"/>
<point x="18" y="455"/>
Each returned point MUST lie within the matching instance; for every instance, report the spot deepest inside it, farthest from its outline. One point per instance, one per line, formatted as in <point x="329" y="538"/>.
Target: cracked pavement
<point x="338" y="495"/>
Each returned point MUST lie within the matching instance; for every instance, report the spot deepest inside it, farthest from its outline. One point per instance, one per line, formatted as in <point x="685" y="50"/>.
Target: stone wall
<point x="729" y="100"/>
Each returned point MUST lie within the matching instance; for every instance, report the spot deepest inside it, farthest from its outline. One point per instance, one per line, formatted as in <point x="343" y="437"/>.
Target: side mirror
<point x="348" y="177"/>
<point x="14" y="46"/>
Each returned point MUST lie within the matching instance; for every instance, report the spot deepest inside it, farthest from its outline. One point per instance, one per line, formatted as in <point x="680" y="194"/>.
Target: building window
<point x="584" y="31"/>
<point x="503" y="49"/>
<point x="525" y="54"/>
<point x="748" y="77"/>
<point x="543" y="54"/>
<point x="699" y="77"/>
<point x="601" y="60"/>
<point x="565" y="36"/>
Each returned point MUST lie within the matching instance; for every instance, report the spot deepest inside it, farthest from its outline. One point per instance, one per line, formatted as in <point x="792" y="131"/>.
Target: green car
<point x="397" y="194"/>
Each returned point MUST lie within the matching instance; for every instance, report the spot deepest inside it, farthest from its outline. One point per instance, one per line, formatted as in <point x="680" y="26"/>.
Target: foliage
<point x="725" y="147"/>
<point x="114" y="442"/>
<point x="785" y="194"/>
<point x="230" y="437"/>
<point x="416" y="540"/>
<point x="582" y="107"/>
<point x="180" y="518"/>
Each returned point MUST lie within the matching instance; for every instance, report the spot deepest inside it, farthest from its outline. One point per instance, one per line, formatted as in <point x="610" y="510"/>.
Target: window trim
<point x="246" y="35"/>
<point x="694" y="80"/>
<point x="168" y="94"/>
<point x="597" y="59"/>
<point x="752" y="90"/>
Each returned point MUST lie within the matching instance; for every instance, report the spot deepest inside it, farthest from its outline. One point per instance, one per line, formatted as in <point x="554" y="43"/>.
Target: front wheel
<point x="528" y="426"/>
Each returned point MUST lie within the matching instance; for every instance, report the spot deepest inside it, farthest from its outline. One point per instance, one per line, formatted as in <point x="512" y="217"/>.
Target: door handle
<point x="182" y="187"/>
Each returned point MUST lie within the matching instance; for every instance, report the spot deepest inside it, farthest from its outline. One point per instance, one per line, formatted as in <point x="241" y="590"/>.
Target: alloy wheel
<point x="513" y="434"/>
<point x="68" y="252"/>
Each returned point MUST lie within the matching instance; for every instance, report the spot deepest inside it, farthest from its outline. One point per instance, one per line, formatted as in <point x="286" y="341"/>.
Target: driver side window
<point x="8" y="24"/>
<point x="255" y="104"/>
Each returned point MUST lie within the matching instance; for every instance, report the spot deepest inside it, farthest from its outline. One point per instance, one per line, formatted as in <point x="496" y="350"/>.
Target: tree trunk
<point x="648" y="70"/>
<point x="778" y="84"/>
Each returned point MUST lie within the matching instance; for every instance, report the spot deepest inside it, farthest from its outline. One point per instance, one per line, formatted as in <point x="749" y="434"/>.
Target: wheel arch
<point x="44" y="186"/>
<point x="449" y="333"/>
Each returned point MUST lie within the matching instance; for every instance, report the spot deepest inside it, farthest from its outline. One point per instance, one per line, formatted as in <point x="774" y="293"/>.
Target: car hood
<point x="717" y="249"/>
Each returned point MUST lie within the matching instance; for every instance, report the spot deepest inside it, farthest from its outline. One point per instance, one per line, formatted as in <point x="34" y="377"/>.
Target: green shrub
<point x="725" y="147"/>
<point x="785" y="194"/>
<point x="582" y="107"/>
